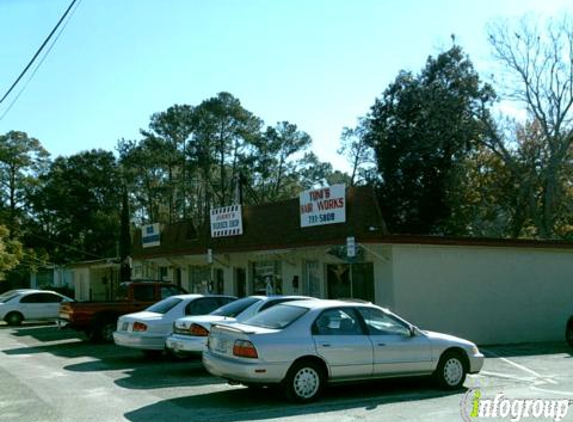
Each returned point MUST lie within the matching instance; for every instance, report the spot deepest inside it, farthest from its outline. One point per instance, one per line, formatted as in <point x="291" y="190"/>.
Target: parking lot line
<point x="507" y="376"/>
<point x="523" y="368"/>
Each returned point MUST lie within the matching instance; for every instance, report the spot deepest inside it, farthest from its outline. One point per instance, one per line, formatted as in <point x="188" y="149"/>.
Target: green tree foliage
<point x="421" y="130"/>
<point x="22" y="159"/>
<point x="223" y="133"/>
<point x="169" y="131"/>
<point x="77" y="207"/>
<point x="359" y="154"/>
<point x="193" y="157"/>
<point x="11" y="251"/>
<point x="277" y="163"/>
<point x="145" y="168"/>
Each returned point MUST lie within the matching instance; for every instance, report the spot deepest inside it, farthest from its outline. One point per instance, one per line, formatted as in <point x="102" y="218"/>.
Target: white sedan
<point x="190" y="333"/>
<point x="302" y="346"/>
<point x="30" y="304"/>
<point x="148" y="329"/>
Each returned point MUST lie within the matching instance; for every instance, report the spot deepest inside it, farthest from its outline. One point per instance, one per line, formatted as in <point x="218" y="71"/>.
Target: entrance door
<point x="350" y="281"/>
<point x="338" y="281"/>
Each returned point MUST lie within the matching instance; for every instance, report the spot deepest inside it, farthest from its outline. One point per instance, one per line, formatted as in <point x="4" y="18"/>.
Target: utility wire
<point x="39" y="51"/>
<point x="71" y="248"/>
<point x="38" y="66"/>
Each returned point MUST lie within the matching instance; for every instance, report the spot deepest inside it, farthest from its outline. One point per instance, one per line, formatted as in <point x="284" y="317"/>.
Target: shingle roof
<point x="272" y="226"/>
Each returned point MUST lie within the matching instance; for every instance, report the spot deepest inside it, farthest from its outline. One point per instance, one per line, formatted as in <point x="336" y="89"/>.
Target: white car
<point x="30" y="305"/>
<point x="148" y="329"/>
<point x="190" y="333"/>
<point x="304" y="345"/>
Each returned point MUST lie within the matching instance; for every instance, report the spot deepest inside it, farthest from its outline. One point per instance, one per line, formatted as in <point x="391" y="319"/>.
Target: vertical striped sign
<point x="226" y="221"/>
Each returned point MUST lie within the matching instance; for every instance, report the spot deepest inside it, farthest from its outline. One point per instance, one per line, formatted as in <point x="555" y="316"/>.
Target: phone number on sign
<point x="321" y="218"/>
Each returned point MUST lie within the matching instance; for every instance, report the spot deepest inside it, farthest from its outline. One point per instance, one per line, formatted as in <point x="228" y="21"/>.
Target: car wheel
<point x="14" y="318"/>
<point x="451" y="371"/>
<point x="569" y="333"/>
<point x="102" y="331"/>
<point x="304" y="382"/>
<point x="106" y="331"/>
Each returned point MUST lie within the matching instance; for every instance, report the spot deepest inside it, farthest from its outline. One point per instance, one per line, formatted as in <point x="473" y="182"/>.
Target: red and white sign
<point x="323" y="206"/>
<point x="226" y="221"/>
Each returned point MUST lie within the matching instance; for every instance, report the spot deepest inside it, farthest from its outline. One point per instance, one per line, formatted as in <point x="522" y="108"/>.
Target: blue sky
<point x="317" y="64"/>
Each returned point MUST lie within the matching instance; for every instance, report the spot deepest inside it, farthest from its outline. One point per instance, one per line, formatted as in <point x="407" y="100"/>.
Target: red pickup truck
<point x="99" y="319"/>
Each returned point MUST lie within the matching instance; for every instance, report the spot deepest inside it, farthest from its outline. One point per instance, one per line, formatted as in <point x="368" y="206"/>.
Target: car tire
<point x="451" y="371"/>
<point x="569" y="333"/>
<point x="102" y="331"/>
<point x="14" y="318"/>
<point x="304" y="382"/>
<point x="106" y="331"/>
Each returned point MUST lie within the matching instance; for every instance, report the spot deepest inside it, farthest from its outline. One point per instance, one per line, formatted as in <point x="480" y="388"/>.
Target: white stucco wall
<point x="486" y="294"/>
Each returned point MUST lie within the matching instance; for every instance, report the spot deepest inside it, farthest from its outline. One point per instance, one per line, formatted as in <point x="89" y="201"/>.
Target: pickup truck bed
<point x="99" y="319"/>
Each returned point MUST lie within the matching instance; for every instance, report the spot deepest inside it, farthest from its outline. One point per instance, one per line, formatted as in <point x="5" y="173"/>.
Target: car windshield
<point x="279" y="316"/>
<point x="165" y="305"/>
<point x="235" y="308"/>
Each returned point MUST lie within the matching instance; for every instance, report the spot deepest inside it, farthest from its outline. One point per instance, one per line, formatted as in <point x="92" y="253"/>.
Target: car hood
<point x="441" y="338"/>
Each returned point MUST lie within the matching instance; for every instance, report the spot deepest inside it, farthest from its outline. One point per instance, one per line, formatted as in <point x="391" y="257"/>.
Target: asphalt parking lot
<point x="47" y="375"/>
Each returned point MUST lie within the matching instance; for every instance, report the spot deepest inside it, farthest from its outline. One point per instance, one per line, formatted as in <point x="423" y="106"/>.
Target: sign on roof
<point x="226" y="221"/>
<point x="150" y="235"/>
<point x="323" y="206"/>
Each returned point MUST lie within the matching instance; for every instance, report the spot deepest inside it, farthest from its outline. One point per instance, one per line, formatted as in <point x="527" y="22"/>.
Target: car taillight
<point x="139" y="326"/>
<point x="198" y="330"/>
<point x="245" y="349"/>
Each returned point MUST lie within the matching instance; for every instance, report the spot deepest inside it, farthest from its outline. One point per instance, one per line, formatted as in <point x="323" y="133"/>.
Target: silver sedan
<point x="303" y="345"/>
<point x="148" y="329"/>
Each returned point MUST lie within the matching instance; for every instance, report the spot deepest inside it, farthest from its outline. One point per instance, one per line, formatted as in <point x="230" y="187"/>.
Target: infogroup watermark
<point x="475" y="406"/>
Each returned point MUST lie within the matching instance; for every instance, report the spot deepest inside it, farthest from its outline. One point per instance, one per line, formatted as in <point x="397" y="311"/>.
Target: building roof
<point x="276" y="226"/>
<point x="271" y="226"/>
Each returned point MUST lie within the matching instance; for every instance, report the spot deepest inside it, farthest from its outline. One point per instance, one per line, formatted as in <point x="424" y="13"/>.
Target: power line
<point x="39" y="51"/>
<point x="71" y="248"/>
<point x="38" y="66"/>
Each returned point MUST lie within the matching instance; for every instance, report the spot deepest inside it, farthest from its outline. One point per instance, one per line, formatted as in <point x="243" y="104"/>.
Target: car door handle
<point x="325" y="344"/>
<point x="381" y="344"/>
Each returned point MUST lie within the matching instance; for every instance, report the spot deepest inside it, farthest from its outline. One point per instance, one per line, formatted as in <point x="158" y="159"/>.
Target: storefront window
<point x="200" y="279"/>
<point x="312" y="279"/>
<point x="267" y="278"/>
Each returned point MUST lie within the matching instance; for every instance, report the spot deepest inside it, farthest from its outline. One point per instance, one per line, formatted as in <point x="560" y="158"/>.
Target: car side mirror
<point x="413" y="331"/>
